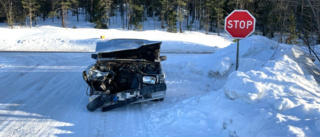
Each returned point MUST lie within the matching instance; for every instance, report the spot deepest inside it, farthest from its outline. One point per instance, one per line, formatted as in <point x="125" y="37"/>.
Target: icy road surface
<point x="43" y="94"/>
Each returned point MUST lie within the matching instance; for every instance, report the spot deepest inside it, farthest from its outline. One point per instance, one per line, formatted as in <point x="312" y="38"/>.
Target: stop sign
<point x="239" y="24"/>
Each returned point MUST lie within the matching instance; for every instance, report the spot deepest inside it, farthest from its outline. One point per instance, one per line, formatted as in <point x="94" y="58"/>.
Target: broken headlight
<point x="98" y="75"/>
<point x="149" y="79"/>
<point x="95" y="74"/>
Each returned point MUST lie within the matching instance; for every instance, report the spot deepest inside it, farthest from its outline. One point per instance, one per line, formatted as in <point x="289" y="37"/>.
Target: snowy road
<point x="43" y="94"/>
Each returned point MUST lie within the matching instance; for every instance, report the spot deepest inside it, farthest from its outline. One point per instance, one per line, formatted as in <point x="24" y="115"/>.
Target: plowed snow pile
<point x="269" y="95"/>
<point x="47" y="38"/>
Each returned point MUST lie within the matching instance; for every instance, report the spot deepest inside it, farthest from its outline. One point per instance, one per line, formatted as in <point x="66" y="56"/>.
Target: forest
<point x="292" y="19"/>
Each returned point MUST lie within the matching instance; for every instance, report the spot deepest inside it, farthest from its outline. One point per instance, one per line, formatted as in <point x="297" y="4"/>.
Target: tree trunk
<point x="195" y="15"/>
<point x="122" y="13"/>
<point x="167" y="12"/>
<point x="207" y="21"/>
<point x="200" y="16"/>
<point x="129" y="16"/>
<point x="188" y="20"/>
<point x="44" y="17"/>
<point x="180" y="16"/>
<point x="301" y="17"/>
<point x="91" y="10"/>
<point x="62" y="17"/>
<point x="218" y="25"/>
<point x="10" y="20"/>
<point x="264" y="30"/>
<point x="162" y="20"/>
<point x="193" y="12"/>
<point x="106" y="14"/>
<point x="52" y="9"/>
<point x="77" y="10"/>
<point x="30" y="14"/>
<point x="86" y="12"/>
<point x="35" y="21"/>
<point x="180" y="26"/>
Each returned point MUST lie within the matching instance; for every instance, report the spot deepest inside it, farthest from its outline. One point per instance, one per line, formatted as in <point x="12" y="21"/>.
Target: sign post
<point x="239" y="24"/>
<point x="237" y="62"/>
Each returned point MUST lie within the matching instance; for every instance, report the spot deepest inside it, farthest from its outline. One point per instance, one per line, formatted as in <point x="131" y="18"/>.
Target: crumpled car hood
<point x="129" y="49"/>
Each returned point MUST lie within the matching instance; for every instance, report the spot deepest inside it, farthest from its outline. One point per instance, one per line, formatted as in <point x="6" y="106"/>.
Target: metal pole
<point x="237" y="63"/>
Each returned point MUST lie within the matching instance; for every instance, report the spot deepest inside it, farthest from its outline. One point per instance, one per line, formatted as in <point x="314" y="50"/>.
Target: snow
<point x="275" y="91"/>
<point x="48" y="38"/>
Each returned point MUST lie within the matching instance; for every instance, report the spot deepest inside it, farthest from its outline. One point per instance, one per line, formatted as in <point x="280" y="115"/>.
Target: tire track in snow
<point x="125" y="121"/>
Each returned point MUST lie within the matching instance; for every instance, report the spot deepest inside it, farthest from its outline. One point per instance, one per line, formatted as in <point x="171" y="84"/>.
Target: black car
<point x="126" y="71"/>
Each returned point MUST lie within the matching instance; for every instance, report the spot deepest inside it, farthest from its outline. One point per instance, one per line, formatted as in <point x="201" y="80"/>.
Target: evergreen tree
<point x="8" y="8"/>
<point x="164" y="11"/>
<point x="218" y="8"/>
<point x="136" y="14"/>
<point x="181" y="4"/>
<point x="121" y="3"/>
<point x="155" y="10"/>
<point x="106" y="6"/>
<point x="172" y="17"/>
<point x="44" y="8"/>
<point x="292" y="39"/>
<point x="208" y="5"/>
<point x="63" y="6"/>
<point x="31" y="6"/>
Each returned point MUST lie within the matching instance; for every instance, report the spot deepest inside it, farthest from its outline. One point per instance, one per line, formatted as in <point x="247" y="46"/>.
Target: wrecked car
<point x="126" y="71"/>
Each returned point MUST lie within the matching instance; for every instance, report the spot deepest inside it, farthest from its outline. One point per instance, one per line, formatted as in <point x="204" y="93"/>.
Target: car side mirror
<point x="163" y="58"/>
<point x="94" y="56"/>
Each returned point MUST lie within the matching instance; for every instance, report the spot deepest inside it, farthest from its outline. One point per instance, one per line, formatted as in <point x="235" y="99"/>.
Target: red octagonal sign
<point x="240" y="24"/>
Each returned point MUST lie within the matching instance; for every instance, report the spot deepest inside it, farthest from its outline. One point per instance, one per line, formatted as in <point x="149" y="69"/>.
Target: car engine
<point x="111" y="77"/>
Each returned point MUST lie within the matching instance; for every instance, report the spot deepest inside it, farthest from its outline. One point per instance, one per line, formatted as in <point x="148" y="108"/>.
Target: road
<point x="43" y="94"/>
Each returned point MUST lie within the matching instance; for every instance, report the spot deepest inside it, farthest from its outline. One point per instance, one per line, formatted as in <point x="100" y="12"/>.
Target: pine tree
<point x="31" y="6"/>
<point x="155" y="10"/>
<point x="172" y="17"/>
<point x="181" y="4"/>
<point x="106" y="6"/>
<point x="292" y="39"/>
<point x="207" y="5"/>
<point x="164" y="11"/>
<point x="218" y="8"/>
<point x="122" y="13"/>
<point x="8" y="7"/>
<point x="44" y="8"/>
<point x="136" y="14"/>
<point x="63" y="6"/>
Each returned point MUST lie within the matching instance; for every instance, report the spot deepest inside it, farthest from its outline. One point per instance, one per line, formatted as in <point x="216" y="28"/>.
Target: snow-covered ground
<point x="49" y="36"/>
<point x="273" y="93"/>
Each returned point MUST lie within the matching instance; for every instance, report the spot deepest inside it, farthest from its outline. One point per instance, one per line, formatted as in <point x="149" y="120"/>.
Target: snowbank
<point x="269" y="77"/>
<point x="270" y="95"/>
<point x="50" y="38"/>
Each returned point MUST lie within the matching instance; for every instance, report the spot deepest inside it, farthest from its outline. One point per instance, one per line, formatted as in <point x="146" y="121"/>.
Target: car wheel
<point x="96" y="103"/>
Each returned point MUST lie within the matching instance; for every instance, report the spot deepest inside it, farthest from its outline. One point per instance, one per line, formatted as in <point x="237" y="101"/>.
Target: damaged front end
<point x="127" y="71"/>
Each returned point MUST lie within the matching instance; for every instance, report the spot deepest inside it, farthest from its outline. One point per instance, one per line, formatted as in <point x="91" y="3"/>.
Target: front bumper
<point x="145" y="93"/>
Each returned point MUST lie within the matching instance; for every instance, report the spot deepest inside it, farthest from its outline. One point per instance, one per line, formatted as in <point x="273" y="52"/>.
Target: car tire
<point x="160" y="99"/>
<point x="95" y="104"/>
